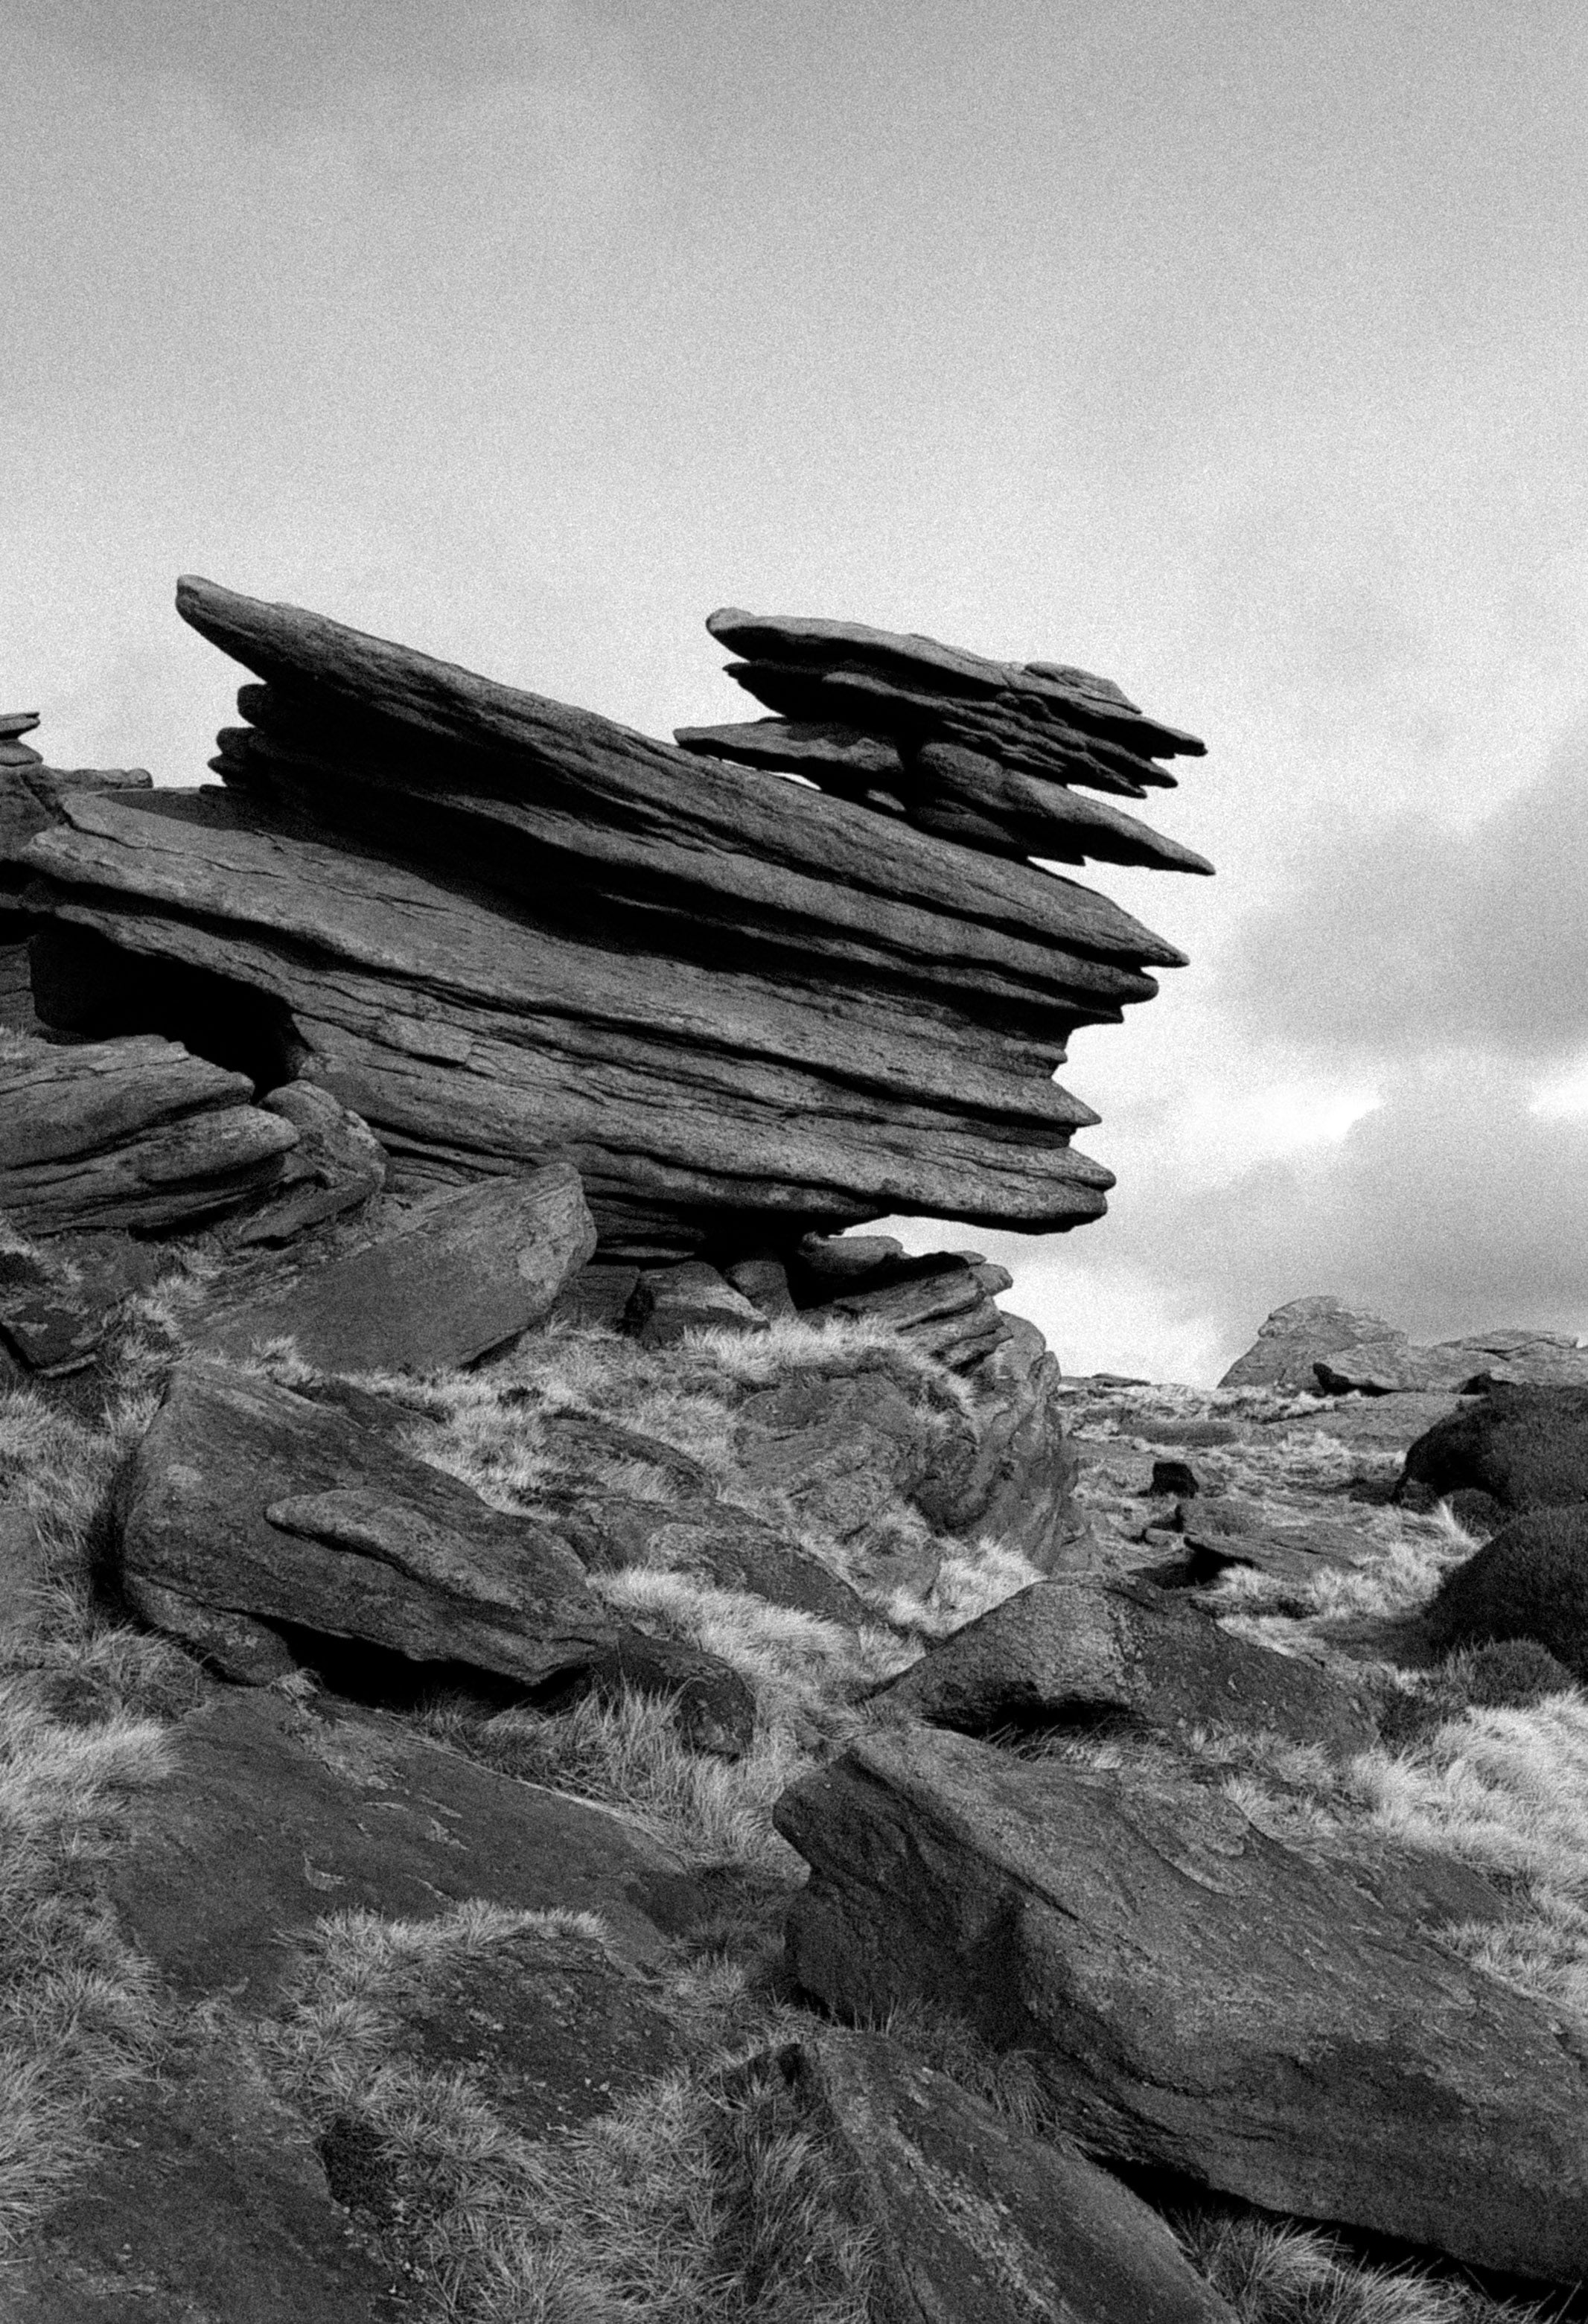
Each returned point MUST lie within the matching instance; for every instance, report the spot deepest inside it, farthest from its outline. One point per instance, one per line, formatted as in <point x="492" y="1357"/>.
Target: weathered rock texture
<point x="1072" y="1652"/>
<point x="1197" y="1996"/>
<point x="248" y="1507"/>
<point x="496" y="927"/>
<point x="131" y="1133"/>
<point x="973" y="2220"/>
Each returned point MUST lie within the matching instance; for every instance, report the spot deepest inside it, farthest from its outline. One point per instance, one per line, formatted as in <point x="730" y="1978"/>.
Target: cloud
<point x="1404" y="939"/>
<point x="276" y="56"/>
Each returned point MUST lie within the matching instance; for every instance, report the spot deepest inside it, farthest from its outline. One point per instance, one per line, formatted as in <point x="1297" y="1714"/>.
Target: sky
<point x="1232" y="348"/>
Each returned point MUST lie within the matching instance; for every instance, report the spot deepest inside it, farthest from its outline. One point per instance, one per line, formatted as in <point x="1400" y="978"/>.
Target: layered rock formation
<point x="497" y="927"/>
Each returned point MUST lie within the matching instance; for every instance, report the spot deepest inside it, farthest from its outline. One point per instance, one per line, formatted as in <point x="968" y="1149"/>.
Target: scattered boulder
<point x="1529" y="1581"/>
<point x="423" y="1290"/>
<point x="1195" y="1996"/>
<point x="1071" y="1653"/>
<point x="1291" y="1340"/>
<point x="1526" y="1447"/>
<point x="248" y="1507"/>
<point x="1223" y="1529"/>
<point x="1173" y="1481"/>
<point x="670" y="1301"/>
<point x="764" y="1281"/>
<point x="972" y="2219"/>
<point x="134" y="1133"/>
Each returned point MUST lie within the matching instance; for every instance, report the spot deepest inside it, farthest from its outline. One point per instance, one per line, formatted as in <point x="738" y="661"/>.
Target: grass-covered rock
<point x="1526" y="1447"/>
<point x="1528" y="1583"/>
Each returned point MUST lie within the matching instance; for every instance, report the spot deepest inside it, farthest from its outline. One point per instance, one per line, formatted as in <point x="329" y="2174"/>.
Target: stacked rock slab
<point x="497" y="927"/>
<point x="29" y="793"/>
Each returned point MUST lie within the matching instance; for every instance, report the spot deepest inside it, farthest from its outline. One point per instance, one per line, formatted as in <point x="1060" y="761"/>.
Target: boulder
<point x="498" y="927"/>
<point x="278" y="1812"/>
<point x="1290" y="1342"/>
<point x="973" y="2220"/>
<point x="248" y="1507"/>
<point x="1530" y="1580"/>
<point x="713" y="1704"/>
<point x="338" y="1164"/>
<point x="57" y="1300"/>
<point x="425" y="1289"/>
<point x="1527" y="1447"/>
<point x="135" y="1134"/>
<point x="1198" y="1998"/>
<point x="670" y="1301"/>
<point x="1072" y="1653"/>
<point x="1456" y="1366"/>
<point x="1020" y="1491"/>
<point x="1224" y="1529"/>
<point x="941" y="1303"/>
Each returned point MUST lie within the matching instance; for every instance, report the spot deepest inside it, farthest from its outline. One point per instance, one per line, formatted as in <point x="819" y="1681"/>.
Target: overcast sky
<point x="1236" y="351"/>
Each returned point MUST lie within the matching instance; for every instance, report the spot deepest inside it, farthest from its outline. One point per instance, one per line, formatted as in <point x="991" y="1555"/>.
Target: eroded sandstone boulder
<point x="1075" y="1652"/>
<point x="1197" y="1996"/>
<point x="422" y="1289"/>
<point x="249" y="1507"/>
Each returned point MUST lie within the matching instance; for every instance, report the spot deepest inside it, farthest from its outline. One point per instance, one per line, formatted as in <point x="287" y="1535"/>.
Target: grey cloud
<point x="1401" y="938"/>
<point x="267" y="57"/>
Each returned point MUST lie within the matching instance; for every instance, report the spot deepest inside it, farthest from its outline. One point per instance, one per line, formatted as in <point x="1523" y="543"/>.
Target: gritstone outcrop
<point x="497" y="927"/>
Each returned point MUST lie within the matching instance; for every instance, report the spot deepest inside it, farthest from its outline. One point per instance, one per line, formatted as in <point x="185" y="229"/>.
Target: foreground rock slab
<point x="277" y="1814"/>
<point x="249" y="1507"/>
<point x="206" y="2200"/>
<point x="1079" y="1650"/>
<point x="1199" y="1997"/>
<point x="442" y="1284"/>
<point x="975" y="2221"/>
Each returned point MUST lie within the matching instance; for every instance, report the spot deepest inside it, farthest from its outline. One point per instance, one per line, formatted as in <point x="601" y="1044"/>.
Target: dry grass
<point x="79" y="2013"/>
<point x="1272" y="2274"/>
<point x="698" y="2200"/>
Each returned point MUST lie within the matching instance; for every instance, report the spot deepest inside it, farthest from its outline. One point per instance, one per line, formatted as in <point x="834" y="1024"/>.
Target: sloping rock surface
<point x="1538" y="1358"/>
<point x="1198" y="1996"/>
<point x="1078" y="1650"/>
<point x="129" y="1134"/>
<point x="248" y="1507"/>
<point x="429" y="1288"/>
<point x="496" y="928"/>
<point x="975" y="2221"/>
<point x="278" y="1813"/>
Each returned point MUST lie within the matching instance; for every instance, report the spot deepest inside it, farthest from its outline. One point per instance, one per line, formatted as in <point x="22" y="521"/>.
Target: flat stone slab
<point x="452" y="1279"/>
<point x="277" y="1815"/>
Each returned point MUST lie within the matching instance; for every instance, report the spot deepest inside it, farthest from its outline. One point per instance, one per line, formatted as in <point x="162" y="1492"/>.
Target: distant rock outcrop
<point x="1320" y="1346"/>
<point x="496" y="928"/>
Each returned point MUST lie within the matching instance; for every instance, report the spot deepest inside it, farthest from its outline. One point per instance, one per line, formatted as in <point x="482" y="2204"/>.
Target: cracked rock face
<point x="1198" y="1996"/>
<point x="496" y="928"/>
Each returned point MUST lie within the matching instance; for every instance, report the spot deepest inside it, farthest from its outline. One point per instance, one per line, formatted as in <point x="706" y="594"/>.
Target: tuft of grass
<point x="80" y="2013"/>
<point x="700" y="2198"/>
<point x="627" y="1753"/>
<point x="1273" y="2272"/>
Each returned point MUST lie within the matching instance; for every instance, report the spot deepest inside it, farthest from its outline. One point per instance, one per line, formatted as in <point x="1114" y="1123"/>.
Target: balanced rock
<point x="249" y="1507"/>
<point x="496" y="927"/>
<point x="1072" y="1652"/>
<point x="1195" y="1996"/>
<point x="435" y="1287"/>
<point x="973" y="2220"/>
<point x="133" y="1133"/>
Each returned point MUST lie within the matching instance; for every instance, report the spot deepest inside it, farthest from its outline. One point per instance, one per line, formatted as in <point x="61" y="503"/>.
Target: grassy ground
<point x="701" y="2195"/>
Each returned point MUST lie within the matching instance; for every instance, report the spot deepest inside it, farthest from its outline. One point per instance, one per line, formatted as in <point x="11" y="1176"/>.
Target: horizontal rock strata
<point x="497" y="927"/>
<point x="132" y="1133"/>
